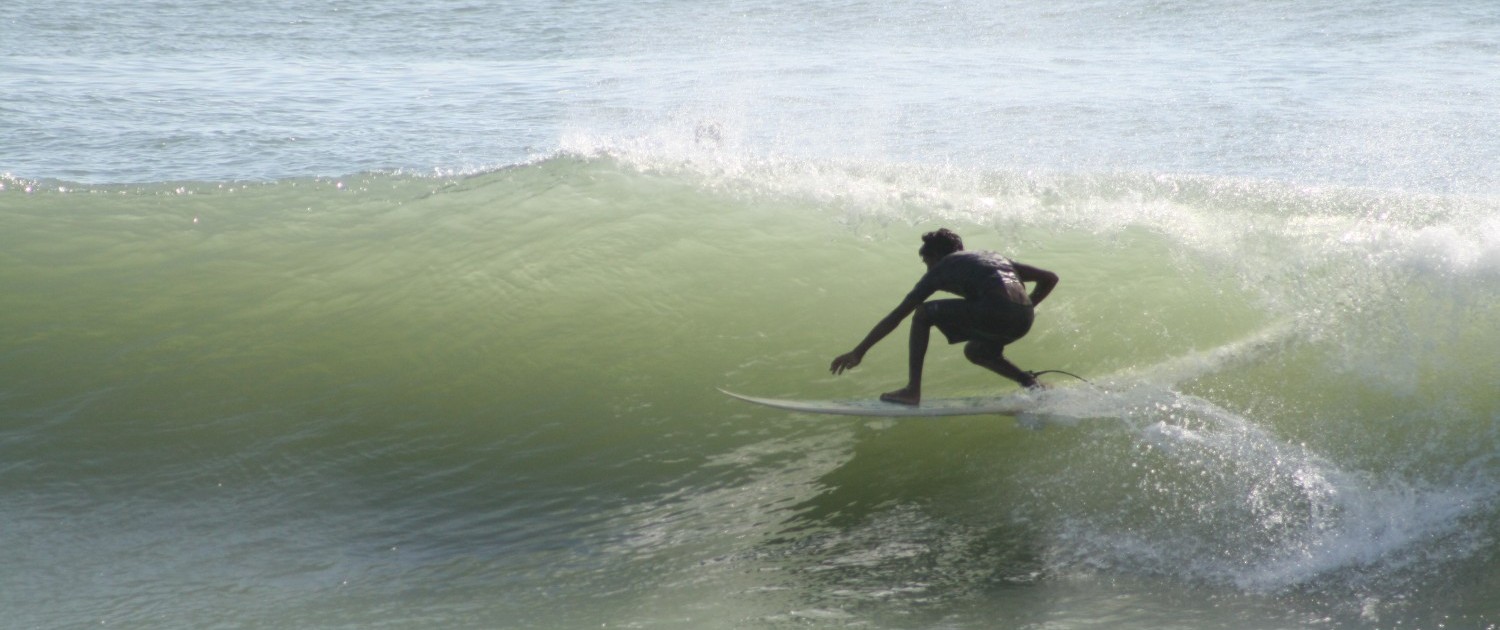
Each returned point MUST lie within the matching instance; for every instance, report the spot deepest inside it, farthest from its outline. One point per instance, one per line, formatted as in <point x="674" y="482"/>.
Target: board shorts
<point x="989" y="322"/>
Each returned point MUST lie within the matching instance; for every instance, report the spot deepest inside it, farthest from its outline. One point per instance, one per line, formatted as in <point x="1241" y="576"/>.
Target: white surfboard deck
<point x="1010" y="405"/>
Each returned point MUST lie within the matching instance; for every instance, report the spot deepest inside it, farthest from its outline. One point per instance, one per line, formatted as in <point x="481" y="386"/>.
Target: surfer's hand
<point x="846" y="361"/>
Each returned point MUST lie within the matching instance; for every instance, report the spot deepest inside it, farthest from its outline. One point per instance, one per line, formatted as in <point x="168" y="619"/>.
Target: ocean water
<point x="371" y="314"/>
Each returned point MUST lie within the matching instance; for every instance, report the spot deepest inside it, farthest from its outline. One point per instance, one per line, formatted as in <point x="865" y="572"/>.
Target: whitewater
<point x="357" y="315"/>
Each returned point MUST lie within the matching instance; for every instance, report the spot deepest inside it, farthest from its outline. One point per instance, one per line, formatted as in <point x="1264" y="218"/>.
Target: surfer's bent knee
<point x="981" y="351"/>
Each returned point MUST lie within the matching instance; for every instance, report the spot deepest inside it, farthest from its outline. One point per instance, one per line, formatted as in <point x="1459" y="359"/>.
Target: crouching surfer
<point x="995" y="311"/>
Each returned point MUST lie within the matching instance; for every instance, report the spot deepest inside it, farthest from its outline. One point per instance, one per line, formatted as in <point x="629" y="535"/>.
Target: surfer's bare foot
<point x="903" y="396"/>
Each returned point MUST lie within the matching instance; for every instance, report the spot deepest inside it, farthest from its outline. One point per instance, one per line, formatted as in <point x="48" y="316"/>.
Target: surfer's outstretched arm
<point x="882" y="328"/>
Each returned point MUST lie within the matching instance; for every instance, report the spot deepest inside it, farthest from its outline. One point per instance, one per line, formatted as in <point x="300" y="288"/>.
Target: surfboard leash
<point x="1037" y="374"/>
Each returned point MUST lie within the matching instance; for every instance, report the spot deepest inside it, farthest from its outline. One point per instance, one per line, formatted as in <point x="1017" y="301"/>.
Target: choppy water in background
<point x="1389" y="94"/>
<point x="367" y="314"/>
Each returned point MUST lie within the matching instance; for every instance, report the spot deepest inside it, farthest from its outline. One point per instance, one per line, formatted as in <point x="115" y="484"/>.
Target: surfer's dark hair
<point x="940" y="243"/>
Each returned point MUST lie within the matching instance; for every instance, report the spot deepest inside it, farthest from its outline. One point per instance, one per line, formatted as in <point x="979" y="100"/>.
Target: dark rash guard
<point x="979" y="276"/>
<point x="996" y="309"/>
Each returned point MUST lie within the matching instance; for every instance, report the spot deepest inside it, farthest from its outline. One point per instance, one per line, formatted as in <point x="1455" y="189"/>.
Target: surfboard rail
<point x="1009" y="405"/>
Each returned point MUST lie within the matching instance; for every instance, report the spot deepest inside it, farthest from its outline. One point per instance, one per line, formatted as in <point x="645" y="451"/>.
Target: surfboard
<point x="1011" y="405"/>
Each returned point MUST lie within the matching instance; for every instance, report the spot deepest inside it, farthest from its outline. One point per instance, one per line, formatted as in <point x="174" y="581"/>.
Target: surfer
<point x="995" y="311"/>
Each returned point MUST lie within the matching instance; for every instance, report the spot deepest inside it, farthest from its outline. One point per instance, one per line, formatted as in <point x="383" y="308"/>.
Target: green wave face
<point x="505" y="384"/>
